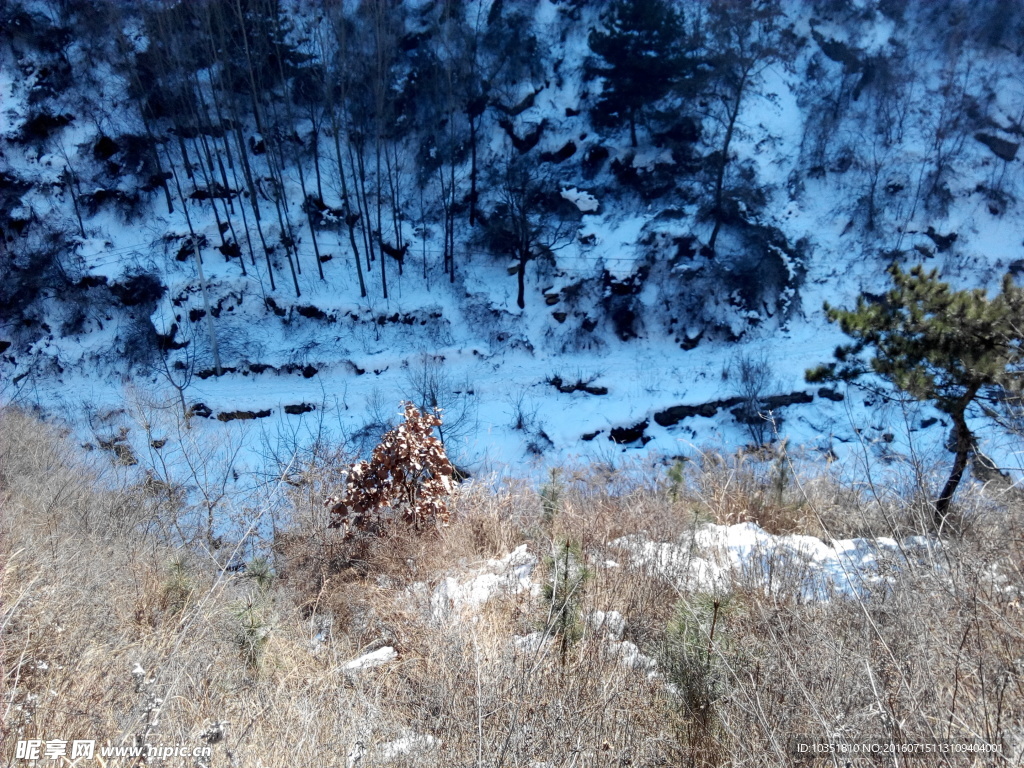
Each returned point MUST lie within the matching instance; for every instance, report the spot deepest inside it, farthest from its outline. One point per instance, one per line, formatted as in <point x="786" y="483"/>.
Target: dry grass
<point x="88" y="590"/>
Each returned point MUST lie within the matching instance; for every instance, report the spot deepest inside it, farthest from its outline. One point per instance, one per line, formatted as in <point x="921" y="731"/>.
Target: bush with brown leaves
<point x="408" y="476"/>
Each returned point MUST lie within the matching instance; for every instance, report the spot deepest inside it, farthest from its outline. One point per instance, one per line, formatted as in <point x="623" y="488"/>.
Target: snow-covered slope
<point x="861" y="133"/>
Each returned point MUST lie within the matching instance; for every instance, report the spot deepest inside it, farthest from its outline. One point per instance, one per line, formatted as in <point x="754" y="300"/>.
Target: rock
<point x="593" y="159"/>
<point x="1001" y="148"/>
<point x="780" y="401"/>
<point x="690" y="342"/>
<point x="611" y="623"/>
<point x="942" y="242"/>
<point x="201" y="409"/>
<point x="831" y="394"/>
<point x="409" y="745"/>
<point x="567" y="151"/>
<point x="838" y="52"/>
<point x="626" y="435"/>
<point x="579" y="386"/>
<point x="242" y="415"/>
<point x="509" y="575"/>
<point x="313" y="313"/>
<point x="672" y="416"/>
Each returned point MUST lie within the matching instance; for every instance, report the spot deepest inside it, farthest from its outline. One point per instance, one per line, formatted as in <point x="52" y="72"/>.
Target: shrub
<point x="138" y="289"/>
<point x="754" y="378"/>
<point x="431" y="387"/>
<point x="41" y="125"/>
<point x="408" y="476"/>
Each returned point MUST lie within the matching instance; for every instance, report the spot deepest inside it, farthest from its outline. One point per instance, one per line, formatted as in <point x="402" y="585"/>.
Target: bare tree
<point x="742" y="38"/>
<point x="431" y="388"/>
<point x="753" y="378"/>
<point x="180" y="371"/>
<point x="530" y="220"/>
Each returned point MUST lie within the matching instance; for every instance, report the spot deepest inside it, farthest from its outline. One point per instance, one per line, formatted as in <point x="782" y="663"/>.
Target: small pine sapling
<point x="551" y="499"/>
<point x="692" y="660"/>
<point x="676" y="477"/>
<point x="564" y="596"/>
<point x="408" y="476"/>
<point x="253" y="631"/>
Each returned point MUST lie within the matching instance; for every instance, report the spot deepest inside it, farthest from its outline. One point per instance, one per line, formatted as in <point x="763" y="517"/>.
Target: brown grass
<point x="88" y="590"/>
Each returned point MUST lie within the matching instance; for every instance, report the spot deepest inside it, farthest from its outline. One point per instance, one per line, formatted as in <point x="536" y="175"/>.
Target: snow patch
<point x="611" y="623"/>
<point x="718" y="556"/>
<point x="585" y="201"/>
<point x="408" y="745"/>
<point x="509" y="575"/>
<point x="372" y="659"/>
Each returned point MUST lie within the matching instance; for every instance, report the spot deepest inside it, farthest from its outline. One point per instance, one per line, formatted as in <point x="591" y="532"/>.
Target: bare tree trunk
<point x="185" y="162"/>
<point x="379" y="206"/>
<point x="297" y="159"/>
<point x="358" y="168"/>
<point x="316" y="159"/>
<point x="521" y="281"/>
<point x="472" y="170"/>
<point x="215" y="351"/>
<point x="243" y="153"/>
<point x="350" y="218"/>
<point x="312" y="229"/>
<point x="130" y="67"/>
<point x="72" y="182"/>
<point x="234" y="184"/>
<point x="723" y="161"/>
<point x="394" y="189"/>
<point x="280" y="201"/>
<point x="450" y="228"/>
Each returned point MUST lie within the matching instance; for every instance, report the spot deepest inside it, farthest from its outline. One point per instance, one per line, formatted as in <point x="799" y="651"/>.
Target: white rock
<point x="530" y="643"/>
<point x="630" y="656"/>
<point x="717" y="555"/>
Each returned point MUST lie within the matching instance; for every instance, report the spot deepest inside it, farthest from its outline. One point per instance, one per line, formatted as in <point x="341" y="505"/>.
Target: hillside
<point x="723" y="616"/>
<point x="608" y="240"/>
<point x="564" y="224"/>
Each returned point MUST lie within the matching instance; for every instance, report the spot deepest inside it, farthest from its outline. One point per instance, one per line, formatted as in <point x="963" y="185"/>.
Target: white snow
<point x="717" y="557"/>
<point x="508" y="575"/>
<point x="407" y="745"/>
<point x="611" y="623"/>
<point x="631" y="656"/>
<point x="585" y="201"/>
<point x="372" y="659"/>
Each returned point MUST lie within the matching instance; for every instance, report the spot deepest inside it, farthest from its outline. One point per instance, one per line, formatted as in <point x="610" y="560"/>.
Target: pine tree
<point x="936" y="344"/>
<point x="640" y="43"/>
